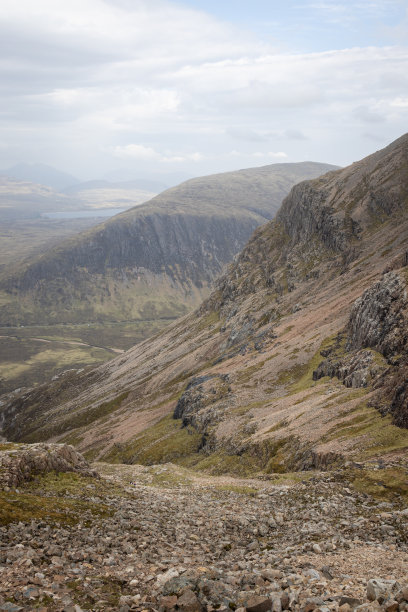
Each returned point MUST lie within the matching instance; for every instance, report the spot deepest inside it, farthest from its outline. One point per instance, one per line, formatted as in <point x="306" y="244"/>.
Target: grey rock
<point x="380" y="590"/>
<point x="188" y="602"/>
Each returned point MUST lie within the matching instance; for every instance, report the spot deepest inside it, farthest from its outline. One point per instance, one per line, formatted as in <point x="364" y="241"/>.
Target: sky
<point x="124" y="89"/>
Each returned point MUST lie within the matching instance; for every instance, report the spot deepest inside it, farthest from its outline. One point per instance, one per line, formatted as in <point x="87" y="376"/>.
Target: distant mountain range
<point x="141" y="184"/>
<point x="22" y="199"/>
<point x="41" y="174"/>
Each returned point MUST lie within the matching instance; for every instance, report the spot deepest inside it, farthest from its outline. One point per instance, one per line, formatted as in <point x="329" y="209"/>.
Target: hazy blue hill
<point x="42" y="174"/>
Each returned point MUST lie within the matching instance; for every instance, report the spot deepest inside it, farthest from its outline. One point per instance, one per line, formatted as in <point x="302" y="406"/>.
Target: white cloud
<point x="400" y="102"/>
<point x="277" y="155"/>
<point x="136" y="151"/>
<point x="140" y="152"/>
<point x="85" y="83"/>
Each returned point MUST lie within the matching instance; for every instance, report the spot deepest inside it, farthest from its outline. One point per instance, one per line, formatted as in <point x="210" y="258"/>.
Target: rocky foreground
<point x="162" y="538"/>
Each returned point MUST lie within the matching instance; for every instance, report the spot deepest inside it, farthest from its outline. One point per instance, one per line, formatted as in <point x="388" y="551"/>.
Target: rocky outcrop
<point x="196" y="405"/>
<point x="321" y="225"/>
<point x="378" y="319"/>
<point x="357" y="369"/>
<point x="24" y="461"/>
<point x="375" y="344"/>
<point x="306" y="213"/>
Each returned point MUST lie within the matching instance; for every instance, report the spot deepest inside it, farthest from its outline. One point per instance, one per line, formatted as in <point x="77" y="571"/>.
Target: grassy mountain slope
<point x="285" y="365"/>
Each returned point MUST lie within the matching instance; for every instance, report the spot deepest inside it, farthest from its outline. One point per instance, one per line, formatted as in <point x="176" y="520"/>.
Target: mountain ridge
<point x="180" y="239"/>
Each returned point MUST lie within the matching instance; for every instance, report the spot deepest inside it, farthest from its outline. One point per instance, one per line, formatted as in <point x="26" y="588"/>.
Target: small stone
<point x="189" y="602"/>
<point x="276" y="603"/>
<point x="163" y="578"/>
<point x="402" y="594"/>
<point x="168" y="603"/>
<point x="391" y="606"/>
<point x="30" y="592"/>
<point x="312" y="574"/>
<point x="327" y="572"/>
<point x="259" y="603"/>
<point x="285" y="600"/>
<point x="352" y="602"/>
<point x="380" y="590"/>
<point x="317" y="549"/>
<point x="312" y="603"/>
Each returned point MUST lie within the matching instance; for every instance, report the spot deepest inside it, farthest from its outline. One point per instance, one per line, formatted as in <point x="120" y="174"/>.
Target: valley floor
<point x="33" y="354"/>
<point x="153" y="538"/>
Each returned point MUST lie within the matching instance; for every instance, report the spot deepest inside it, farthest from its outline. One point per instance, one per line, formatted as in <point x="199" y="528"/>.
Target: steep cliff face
<point x="157" y="265"/>
<point x="322" y="224"/>
<point x="156" y="260"/>
<point x="378" y="319"/>
<point x="242" y="377"/>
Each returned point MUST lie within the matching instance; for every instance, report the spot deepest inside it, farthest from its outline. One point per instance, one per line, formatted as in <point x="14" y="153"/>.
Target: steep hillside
<point x="155" y="261"/>
<point x="298" y="358"/>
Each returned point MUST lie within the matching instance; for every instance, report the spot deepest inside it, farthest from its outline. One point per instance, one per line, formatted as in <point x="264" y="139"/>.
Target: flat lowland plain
<point x="30" y="355"/>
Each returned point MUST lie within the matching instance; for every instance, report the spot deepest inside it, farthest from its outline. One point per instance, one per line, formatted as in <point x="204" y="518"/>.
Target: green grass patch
<point x="287" y="329"/>
<point x="168" y="479"/>
<point x="241" y="410"/>
<point x="76" y="420"/>
<point x="46" y="498"/>
<point x="240" y="489"/>
<point x="207" y="321"/>
<point x="219" y="463"/>
<point x="305" y="379"/>
<point x="376" y="435"/>
<point x="8" y="446"/>
<point x="166" y="441"/>
<point x="246" y="375"/>
<point x="291" y="477"/>
<point x="277" y="426"/>
<point x="388" y="484"/>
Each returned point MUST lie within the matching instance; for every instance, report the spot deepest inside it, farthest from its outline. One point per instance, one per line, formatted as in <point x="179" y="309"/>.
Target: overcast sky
<point x="124" y="88"/>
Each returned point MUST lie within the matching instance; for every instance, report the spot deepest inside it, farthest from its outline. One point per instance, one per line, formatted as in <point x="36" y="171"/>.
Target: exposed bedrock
<point x="22" y="462"/>
<point x="197" y="407"/>
<point x="373" y="348"/>
<point x="378" y="319"/>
